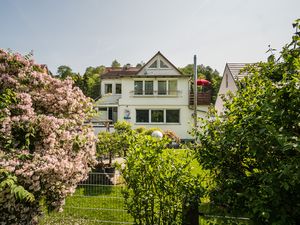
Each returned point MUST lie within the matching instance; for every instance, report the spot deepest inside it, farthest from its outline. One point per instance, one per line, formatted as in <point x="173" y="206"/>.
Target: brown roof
<point x="119" y="71"/>
<point x="113" y="72"/>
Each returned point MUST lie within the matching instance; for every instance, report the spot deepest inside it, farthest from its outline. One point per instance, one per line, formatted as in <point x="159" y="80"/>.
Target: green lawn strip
<point x="93" y="203"/>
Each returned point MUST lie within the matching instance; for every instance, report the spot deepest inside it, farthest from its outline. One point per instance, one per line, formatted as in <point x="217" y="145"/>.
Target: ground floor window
<point x="142" y="116"/>
<point x="108" y="113"/>
<point x="172" y="116"/>
<point x="157" y="116"/>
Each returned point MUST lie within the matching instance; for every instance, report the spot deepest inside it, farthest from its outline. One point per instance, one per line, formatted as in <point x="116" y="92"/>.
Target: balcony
<point x="150" y="93"/>
<point x="203" y="98"/>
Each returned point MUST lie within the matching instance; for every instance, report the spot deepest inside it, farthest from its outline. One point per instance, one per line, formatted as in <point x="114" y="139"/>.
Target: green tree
<point x="205" y="72"/>
<point x="115" y="64"/>
<point x="64" y="71"/>
<point x="157" y="183"/>
<point x="253" y="151"/>
<point x="91" y="81"/>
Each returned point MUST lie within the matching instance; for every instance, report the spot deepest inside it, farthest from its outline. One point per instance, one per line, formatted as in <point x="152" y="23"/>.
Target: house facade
<point x="231" y="76"/>
<point x="155" y="95"/>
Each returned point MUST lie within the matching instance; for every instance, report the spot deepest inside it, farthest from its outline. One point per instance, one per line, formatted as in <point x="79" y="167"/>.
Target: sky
<point x="83" y="33"/>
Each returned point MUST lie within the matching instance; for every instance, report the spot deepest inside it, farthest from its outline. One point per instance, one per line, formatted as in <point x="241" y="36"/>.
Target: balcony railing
<point x="150" y="93"/>
<point x="203" y="98"/>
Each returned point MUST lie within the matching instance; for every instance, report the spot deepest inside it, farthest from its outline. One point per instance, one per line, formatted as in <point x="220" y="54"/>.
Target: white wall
<point x="128" y="97"/>
<point x="223" y="89"/>
<point x="109" y="81"/>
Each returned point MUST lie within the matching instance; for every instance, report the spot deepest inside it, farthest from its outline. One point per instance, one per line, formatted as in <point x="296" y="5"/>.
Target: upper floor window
<point x="154" y="65"/>
<point x="149" y="87"/>
<point x="162" y="87"/>
<point x="107" y="88"/>
<point x="226" y="77"/>
<point x="158" y="64"/>
<point x="138" y="87"/>
<point x="167" y="87"/>
<point x="118" y="88"/>
<point x="163" y="64"/>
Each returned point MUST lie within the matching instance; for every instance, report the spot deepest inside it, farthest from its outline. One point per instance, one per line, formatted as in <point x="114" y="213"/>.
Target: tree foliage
<point x="254" y="149"/>
<point x="159" y="186"/>
<point x="115" y="64"/>
<point x="205" y="72"/>
<point x="45" y="147"/>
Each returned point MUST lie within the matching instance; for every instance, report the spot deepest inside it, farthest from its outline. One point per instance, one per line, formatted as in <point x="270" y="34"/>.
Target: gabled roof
<point x="235" y="69"/>
<point x="114" y="73"/>
<point x="159" y="53"/>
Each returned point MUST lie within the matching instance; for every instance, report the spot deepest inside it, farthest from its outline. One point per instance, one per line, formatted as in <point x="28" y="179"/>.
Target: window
<point x="142" y="116"/>
<point x="157" y="116"/>
<point x="118" y="88"/>
<point x="149" y="87"/>
<point x="172" y="115"/>
<point x="107" y="88"/>
<point x="172" y="87"/>
<point x="154" y="65"/>
<point x="162" y="87"/>
<point x="138" y="87"/>
<point x="226" y="76"/>
<point x="163" y="65"/>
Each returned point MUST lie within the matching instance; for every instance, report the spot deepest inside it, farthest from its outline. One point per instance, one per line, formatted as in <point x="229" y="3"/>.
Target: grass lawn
<point x="92" y="205"/>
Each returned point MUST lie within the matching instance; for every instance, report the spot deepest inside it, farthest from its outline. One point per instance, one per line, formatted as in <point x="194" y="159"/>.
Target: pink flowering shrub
<point x="45" y="148"/>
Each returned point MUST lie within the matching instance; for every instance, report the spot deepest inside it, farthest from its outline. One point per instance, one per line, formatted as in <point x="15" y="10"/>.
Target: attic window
<point x="163" y="65"/>
<point x="154" y="65"/>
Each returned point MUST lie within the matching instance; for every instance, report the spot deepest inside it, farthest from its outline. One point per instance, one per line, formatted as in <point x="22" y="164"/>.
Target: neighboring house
<point x="155" y="95"/>
<point x="231" y="77"/>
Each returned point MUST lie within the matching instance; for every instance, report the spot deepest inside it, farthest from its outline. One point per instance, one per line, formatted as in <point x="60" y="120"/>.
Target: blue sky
<point x="82" y="33"/>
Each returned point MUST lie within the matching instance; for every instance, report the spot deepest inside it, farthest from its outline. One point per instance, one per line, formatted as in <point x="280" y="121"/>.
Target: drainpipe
<point x="195" y="91"/>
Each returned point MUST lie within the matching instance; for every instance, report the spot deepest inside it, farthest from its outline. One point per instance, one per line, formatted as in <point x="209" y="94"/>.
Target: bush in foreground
<point x="45" y="148"/>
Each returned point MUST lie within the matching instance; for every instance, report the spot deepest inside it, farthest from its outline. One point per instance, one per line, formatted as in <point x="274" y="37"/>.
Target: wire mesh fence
<point x="97" y="200"/>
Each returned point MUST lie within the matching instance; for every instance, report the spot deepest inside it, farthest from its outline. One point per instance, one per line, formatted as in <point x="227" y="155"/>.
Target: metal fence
<point x="97" y="200"/>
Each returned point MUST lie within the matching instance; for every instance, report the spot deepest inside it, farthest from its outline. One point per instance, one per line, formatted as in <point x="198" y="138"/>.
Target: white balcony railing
<point x="149" y="93"/>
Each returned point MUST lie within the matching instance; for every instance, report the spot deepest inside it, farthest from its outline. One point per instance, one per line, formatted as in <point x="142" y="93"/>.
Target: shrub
<point x="45" y="147"/>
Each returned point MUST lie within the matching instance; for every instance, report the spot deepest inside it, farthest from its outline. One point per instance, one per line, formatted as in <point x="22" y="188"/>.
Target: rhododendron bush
<point x="45" y="148"/>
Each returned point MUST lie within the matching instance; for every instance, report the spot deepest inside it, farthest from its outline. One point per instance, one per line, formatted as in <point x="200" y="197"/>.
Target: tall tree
<point x="115" y="64"/>
<point x="91" y="84"/>
<point x="64" y="71"/>
<point x="205" y="72"/>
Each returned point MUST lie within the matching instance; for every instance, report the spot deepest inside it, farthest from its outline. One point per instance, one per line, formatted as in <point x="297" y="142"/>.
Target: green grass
<point x="92" y="205"/>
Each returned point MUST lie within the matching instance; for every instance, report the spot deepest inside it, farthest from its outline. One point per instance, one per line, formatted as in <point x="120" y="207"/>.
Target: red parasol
<point x="203" y="82"/>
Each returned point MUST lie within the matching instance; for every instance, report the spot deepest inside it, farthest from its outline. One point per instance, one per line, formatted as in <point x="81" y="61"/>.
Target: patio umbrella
<point x="203" y="82"/>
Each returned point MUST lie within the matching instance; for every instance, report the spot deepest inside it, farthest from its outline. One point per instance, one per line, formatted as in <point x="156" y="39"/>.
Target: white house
<point x="231" y="77"/>
<point x="155" y="95"/>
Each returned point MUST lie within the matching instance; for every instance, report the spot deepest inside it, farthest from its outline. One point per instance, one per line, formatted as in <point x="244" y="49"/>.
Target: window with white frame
<point x="158" y="64"/>
<point x="138" y="87"/>
<point x="158" y="116"/>
<point x="107" y="88"/>
<point x="149" y="87"/>
<point x="167" y="87"/>
<point x="118" y="88"/>
<point x="162" y="87"/>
